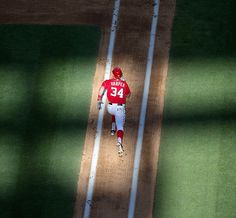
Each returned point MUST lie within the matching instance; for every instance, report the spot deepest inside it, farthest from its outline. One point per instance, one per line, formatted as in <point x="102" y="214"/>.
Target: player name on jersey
<point x="117" y="83"/>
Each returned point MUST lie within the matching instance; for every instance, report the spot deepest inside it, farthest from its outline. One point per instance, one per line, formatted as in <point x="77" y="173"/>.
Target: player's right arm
<point x="101" y="93"/>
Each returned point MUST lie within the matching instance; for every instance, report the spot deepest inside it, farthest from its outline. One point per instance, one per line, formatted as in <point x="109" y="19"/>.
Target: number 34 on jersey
<point x="117" y="90"/>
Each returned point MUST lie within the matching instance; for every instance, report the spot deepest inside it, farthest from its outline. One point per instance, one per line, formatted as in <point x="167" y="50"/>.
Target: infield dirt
<point x="113" y="179"/>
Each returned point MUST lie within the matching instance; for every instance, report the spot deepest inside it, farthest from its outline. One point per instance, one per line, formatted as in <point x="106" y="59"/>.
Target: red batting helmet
<point x="117" y="72"/>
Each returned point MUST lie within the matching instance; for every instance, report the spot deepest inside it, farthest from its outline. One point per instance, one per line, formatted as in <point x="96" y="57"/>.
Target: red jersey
<point x="117" y="90"/>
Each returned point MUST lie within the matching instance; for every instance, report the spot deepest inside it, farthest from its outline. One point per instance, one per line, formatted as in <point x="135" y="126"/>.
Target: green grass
<point x="196" y="174"/>
<point x="46" y="81"/>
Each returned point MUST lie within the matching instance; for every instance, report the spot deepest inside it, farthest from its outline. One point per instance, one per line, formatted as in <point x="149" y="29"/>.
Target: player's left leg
<point x="111" y="108"/>
<point x="113" y="125"/>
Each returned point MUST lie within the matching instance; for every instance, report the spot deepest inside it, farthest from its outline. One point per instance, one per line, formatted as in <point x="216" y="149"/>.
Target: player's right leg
<point x="120" y="117"/>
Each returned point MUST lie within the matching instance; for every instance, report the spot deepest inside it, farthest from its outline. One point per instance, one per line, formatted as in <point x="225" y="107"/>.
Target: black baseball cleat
<point x="113" y="132"/>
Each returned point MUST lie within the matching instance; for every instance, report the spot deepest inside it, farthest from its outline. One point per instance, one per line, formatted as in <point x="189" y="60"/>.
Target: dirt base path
<point x="114" y="174"/>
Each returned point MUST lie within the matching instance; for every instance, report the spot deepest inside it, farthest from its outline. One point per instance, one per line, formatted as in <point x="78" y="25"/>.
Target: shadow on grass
<point x="195" y="173"/>
<point x="43" y="116"/>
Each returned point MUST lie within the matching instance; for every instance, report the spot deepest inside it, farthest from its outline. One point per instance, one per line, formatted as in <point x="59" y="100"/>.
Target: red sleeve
<point x="104" y="84"/>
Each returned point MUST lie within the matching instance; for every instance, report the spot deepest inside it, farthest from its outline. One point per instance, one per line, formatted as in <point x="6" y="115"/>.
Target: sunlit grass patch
<point x="201" y="86"/>
<point x="62" y="91"/>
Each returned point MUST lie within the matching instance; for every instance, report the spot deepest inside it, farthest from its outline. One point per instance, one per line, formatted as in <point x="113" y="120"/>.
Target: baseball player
<point x="117" y="91"/>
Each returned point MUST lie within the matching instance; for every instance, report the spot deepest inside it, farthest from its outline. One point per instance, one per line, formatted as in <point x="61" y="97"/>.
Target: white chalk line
<point x="142" y="117"/>
<point x="92" y="175"/>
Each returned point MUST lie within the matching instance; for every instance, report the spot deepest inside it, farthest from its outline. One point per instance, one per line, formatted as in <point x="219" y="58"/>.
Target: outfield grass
<point x="46" y="82"/>
<point x="197" y="166"/>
